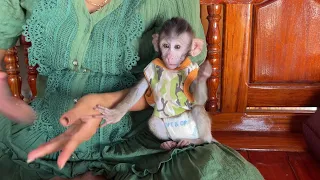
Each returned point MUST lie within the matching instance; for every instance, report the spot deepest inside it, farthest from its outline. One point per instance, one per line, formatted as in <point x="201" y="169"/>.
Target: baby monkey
<point x="175" y="87"/>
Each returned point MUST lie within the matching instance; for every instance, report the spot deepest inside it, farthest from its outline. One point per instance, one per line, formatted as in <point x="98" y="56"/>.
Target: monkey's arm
<point x="115" y="114"/>
<point x="135" y="93"/>
<point x="199" y="87"/>
<point x="200" y="94"/>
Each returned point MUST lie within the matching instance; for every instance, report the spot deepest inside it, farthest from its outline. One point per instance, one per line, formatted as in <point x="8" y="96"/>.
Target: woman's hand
<point x="12" y="107"/>
<point x="79" y="129"/>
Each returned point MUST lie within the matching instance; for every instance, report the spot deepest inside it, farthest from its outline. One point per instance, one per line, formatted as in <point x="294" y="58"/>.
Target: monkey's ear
<point x="196" y="47"/>
<point x="155" y="42"/>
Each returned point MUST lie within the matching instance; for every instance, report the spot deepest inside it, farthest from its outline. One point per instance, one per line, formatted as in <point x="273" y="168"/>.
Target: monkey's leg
<point x="114" y="115"/>
<point x="158" y="128"/>
<point x="198" y="113"/>
<point x="203" y="125"/>
<point x="182" y="129"/>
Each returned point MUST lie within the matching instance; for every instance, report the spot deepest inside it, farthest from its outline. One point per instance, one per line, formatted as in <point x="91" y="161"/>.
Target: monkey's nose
<point x="170" y="57"/>
<point x="171" y="60"/>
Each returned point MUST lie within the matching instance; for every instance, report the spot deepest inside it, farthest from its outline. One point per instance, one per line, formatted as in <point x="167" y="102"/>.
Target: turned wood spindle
<point x="214" y="57"/>
<point x="32" y="70"/>
<point x="12" y="68"/>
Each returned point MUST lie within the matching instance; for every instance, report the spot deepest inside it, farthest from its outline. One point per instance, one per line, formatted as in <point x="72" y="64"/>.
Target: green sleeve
<point x="189" y="10"/>
<point x="12" y="18"/>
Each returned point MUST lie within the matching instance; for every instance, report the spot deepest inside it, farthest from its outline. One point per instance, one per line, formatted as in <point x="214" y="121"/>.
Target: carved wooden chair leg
<point x="32" y="70"/>
<point x="12" y="68"/>
<point x="214" y="57"/>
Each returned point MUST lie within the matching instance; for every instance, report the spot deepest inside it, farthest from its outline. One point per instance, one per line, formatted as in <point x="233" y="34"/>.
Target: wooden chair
<point x="265" y="60"/>
<point x="12" y="67"/>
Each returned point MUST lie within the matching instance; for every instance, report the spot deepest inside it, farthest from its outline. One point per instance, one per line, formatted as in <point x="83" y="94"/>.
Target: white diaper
<point x="181" y="127"/>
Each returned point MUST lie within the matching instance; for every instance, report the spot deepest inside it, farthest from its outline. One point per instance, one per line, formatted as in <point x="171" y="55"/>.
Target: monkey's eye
<point x="177" y="46"/>
<point x="165" y="45"/>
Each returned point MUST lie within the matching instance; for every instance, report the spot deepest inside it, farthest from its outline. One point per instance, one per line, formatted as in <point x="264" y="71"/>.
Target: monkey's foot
<point x="168" y="145"/>
<point x="187" y="142"/>
<point x="184" y="143"/>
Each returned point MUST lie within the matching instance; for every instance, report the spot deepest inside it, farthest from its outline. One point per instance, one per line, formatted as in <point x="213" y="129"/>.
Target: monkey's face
<point x="174" y="49"/>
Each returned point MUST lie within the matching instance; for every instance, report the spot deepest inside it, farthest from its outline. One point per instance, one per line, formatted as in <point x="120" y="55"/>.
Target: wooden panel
<point x="262" y="122"/>
<point x="244" y="154"/>
<point x="304" y="166"/>
<point x="294" y="95"/>
<point x="272" y="165"/>
<point x="286" y="45"/>
<point x="207" y="2"/>
<point x="262" y="141"/>
<point x="236" y="57"/>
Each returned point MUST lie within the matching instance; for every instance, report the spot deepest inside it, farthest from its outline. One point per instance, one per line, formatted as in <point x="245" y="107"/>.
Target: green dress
<point x="80" y="53"/>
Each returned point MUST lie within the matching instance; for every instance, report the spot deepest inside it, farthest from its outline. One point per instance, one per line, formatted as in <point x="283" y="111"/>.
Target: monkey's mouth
<point x="169" y="64"/>
<point x="172" y="66"/>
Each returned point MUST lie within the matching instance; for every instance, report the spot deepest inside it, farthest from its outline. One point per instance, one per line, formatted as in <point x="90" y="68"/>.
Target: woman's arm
<point x="112" y="99"/>
<point x="12" y="18"/>
<point x="11" y="107"/>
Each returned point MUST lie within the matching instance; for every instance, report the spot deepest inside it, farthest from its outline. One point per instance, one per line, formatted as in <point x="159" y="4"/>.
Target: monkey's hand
<point x="114" y="115"/>
<point x="199" y="87"/>
<point x="110" y="116"/>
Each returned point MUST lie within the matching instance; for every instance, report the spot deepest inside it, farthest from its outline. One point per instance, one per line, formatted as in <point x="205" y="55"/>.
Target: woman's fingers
<point x="102" y="109"/>
<point x="67" y="142"/>
<point x="104" y="119"/>
<point x="50" y="147"/>
<point x="69" y="117"/>
<point x="4" y="87"/>
<point x="67" y="151"/>
<point x="88" y="117"/>
<point x="75" y="114"/>
<point x="3" y="75"/>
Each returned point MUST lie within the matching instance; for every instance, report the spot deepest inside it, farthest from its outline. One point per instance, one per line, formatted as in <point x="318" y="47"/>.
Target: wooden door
<point x="271" y="55"/>
<point x="270" y="64"/>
